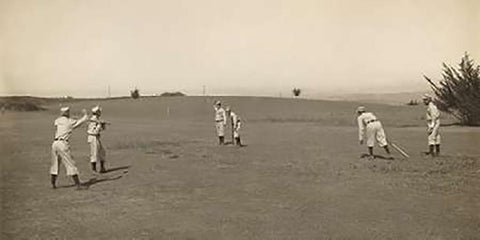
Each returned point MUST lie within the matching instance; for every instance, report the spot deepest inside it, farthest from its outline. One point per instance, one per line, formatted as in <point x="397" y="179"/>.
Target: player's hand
<point x="84" y="111"/>
<point x="361" y="142"/>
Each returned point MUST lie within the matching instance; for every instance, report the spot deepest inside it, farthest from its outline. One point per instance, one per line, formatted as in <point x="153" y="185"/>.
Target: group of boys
<point x="61" y="144"/>
<point x="221" y="119"/>
<point x="371" y="129"/>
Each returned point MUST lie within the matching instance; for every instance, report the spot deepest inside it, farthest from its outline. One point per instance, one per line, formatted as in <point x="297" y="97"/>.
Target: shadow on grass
<point x="450" y="124"/>
<point x="101" y="178"/>
<point x="231" y="143"/>
<point x="420" y="125"/>
<point x="375" y="156"/>
<point x="117" y="169"/>
<point x="96" y="180"/>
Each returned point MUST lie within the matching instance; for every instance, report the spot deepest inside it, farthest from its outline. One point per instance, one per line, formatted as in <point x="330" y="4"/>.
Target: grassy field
<point x="300" y="177"/>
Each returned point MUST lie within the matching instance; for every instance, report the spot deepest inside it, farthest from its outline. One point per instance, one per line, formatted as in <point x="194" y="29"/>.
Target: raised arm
<point x="77" y="123"/>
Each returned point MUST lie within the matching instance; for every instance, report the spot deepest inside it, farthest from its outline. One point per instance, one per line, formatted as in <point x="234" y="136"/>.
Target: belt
<point x="60" y="139"/>
<point x="96" y="135"/>
<point x="218" y="120"/>
<point x="373" y="120"/>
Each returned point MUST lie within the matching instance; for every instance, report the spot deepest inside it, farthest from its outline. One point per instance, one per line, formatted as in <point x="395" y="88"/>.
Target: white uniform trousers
<point x="97" y="152"/>
<point x="434" y="136"/>
<point x="220" y="126"/>
<point x="374" y="131"/>
<point x="61" y="153"/>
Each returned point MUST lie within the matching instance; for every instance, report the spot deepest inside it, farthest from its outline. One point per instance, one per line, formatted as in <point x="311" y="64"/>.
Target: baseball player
<point x="61" y="146"/>
<point x="233" y="119"/>
<point x="97" y="152"/>
<point x="371" y="128"/>
<point x="236" y="124"/>
<point x="220" y="122"/>
<point x="433" y="126"/>
<point x="236" y="131"/>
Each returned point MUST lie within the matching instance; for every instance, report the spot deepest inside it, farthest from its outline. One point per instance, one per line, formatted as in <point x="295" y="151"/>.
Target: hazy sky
<point x="246" y="47"/>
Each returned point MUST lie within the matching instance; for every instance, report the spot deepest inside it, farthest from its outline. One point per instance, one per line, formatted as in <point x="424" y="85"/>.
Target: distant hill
<point x="172" y="94"/>
<point x="22" y="104"/>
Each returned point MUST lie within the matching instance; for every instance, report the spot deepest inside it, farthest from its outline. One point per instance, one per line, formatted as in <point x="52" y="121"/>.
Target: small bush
<point x="135" y="93"/>
<point x="412" y="102"/>
<point x="296" y="92"/>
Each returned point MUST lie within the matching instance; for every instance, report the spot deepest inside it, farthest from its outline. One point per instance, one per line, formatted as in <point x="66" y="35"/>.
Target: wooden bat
<point x="400" y="150"/>
<point x="101" y="122"/>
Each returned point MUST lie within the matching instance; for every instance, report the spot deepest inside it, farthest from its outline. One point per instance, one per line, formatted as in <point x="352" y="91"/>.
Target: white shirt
<point x="94" y="126"/>
<point x="433" y="115"/>
<point x="66" y="125"/>
<point x="234" y="119"/>
<point x="220" y="115"/>
<point x="362" y="121"/>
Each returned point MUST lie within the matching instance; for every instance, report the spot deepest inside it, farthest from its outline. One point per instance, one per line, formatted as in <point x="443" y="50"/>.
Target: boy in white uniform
<point x="371" y="127"/>
<point x="236" y="131"/>
<point x="433" y="126"/>
<point x="97" y="152"/>
<point x="233" y="120"/>
<point x="61" y="146"/>
<point x="220" y="122"/>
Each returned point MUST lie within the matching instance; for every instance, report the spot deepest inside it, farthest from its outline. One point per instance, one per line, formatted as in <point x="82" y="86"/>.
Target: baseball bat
<point x="101" y="122"/>
<point x="400" y="150"/>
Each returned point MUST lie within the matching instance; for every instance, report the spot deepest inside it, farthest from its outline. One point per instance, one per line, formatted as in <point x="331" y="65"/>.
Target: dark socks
<point x="437" y="148"/>
<point x="53" y="179"/>
<point x="102" y="167"/>
<point x="77" y="182"/>
<point x="387" y="150"/>
<point x="94" y="166"/>
<point x="370" y="151"/>
<point x="431" y="150"/>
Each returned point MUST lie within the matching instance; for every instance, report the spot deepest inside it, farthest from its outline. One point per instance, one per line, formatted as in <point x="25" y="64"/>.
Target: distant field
<point x="300" y="177"/>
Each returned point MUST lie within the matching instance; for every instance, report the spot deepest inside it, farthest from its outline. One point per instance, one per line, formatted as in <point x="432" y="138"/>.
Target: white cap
<point x="96" y="109"/>
<point x="64" y="109"/>
<point x="227" y="109"/>
<point x="218" y="103"/>
<point x="361" y="109"/>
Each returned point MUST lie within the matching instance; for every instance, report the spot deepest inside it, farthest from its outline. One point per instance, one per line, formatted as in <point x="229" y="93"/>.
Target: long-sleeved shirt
<point x="220" y="115"/>
<point x="433" y="115"/>
<point x="94" y="126"/>
<point x="364" y="119"/>
<point x="234" y="119"/>
<point x="66" y="125"/>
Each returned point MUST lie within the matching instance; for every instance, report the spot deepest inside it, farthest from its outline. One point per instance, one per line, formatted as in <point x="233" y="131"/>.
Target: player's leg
<point x="382" y="139"/>
<point x="218" y="130"/>
<point x="54" y="166"/>
<point x="69" y="164"/>
<point x="221" y="133"/>
<point x="101" y="156"/>
<point x="93" y="153"/>
<point x="431" y="145"/>
<point x="370" y="135"/>
<point x="437" y="140"/>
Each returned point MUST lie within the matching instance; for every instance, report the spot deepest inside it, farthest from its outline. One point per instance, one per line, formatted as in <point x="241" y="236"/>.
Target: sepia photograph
<point x="252" y="119"/>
